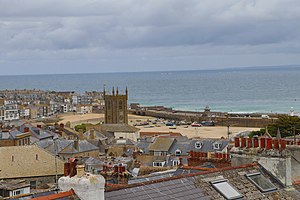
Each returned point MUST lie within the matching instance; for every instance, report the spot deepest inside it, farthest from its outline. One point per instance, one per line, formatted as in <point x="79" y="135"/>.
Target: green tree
<point x="286" y="125"/>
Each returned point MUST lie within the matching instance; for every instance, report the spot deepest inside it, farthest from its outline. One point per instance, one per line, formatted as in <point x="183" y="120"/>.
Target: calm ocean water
<point x="234" y="90"/>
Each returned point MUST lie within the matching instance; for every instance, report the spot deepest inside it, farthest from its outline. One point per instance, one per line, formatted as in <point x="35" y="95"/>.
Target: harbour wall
<point x="220" y="120"/>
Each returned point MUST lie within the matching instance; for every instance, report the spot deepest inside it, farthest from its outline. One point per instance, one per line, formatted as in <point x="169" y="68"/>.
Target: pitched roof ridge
<point x="179" y="177"/>
<point x="56" y="196"/>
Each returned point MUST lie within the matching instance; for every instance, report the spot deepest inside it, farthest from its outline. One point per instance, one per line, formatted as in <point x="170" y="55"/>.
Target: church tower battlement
<point x="116" y="107"/>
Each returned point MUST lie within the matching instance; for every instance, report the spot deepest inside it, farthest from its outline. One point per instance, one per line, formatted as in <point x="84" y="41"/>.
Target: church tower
<point x="116" y="107"/>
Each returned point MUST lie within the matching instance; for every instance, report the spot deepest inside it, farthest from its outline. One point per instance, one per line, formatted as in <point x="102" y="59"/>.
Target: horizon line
<point x="259" y="67"/>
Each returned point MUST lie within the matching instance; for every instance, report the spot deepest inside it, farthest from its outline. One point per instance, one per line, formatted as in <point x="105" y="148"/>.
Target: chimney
<point x="269" y="143"/>
<point x="255" y="141"/>
<point x="61" y="127"/>
<point x="80" y="135"/>
<point x="249" y="145"/>
<point x="237" y="142"/>
<point x="243" y="143"/>
<point x="26" y="129"/>
<point x="282" y="144"/>
<point x="92" y="134"/>
<point x="76" y="145"/>
<point x="67" y="169"/>
<point x="262" y="142"/>
<point x="276" y="143"/>
<point x="80" y="171"/>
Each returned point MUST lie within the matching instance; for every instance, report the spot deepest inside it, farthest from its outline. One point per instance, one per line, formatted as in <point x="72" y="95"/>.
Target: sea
<point x="236" y="90"/>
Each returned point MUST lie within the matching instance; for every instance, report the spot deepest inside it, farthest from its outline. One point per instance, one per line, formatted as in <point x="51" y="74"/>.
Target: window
<point x="217" y="145"/>
<point x="263" y="184"/>
<point x="158" y="164"/>
<point x="178" y="152"/>
<point x="36" y="156"/>
<point x="17" y="192"/>
<point x="120" y="105"/>
<point x="176" y="162"/>
<point x="226" y="189"/>
<point x="198" y="145"/>
<point x="33" y="184"/>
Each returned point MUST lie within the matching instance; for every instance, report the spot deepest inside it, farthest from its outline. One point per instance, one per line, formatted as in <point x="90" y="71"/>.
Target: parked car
<point x="195" y="124"/>
<point x="208" y="123"/>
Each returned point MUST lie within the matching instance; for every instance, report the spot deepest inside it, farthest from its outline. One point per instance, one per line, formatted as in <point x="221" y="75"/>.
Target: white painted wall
<point x="87" y="187"/>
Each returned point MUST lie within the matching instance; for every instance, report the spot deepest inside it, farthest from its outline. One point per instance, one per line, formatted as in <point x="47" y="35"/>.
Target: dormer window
<point x="198" y="145"/>
<point x="217" y="145"/>
<point x="178" y="152"/>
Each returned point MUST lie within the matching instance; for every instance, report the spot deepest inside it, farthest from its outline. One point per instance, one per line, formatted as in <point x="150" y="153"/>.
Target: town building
<point x="12" y="188"/>
<point x="66" y="149"/>
<point x="116" y="107"/>
<point x="242" y="182"/>
<point x="14" y="137"/>
<point x="30" y="163"/>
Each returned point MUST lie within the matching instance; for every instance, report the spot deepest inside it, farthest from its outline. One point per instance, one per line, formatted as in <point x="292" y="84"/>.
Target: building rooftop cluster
<point x="32" y="104"/>
<point x="117" y="161"/>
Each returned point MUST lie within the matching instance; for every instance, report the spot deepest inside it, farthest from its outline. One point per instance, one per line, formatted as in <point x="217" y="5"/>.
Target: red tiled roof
<point x="56" y="196"/>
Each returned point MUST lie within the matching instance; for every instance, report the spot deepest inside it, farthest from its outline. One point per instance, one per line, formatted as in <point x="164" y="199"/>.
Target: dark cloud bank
<point x="69" y="36"/>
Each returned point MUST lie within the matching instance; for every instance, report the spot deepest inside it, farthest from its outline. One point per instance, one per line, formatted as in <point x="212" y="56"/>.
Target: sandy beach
<point x="191" y="132"/>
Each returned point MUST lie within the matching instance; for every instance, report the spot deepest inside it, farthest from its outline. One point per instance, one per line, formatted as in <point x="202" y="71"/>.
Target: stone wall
<point x="219" y="121"/>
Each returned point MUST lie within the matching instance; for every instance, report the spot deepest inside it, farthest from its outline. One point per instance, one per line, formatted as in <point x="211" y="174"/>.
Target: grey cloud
<point x="113" y="31"/>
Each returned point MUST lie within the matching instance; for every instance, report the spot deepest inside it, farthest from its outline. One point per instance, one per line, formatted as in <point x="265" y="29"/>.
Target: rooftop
<point x="202" y="185"/>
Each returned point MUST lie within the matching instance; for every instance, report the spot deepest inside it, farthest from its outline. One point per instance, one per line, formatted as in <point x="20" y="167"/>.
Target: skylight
<point x="198" y="145"/>
<point x="261" y="182"/>
<point x="226" y="189"/>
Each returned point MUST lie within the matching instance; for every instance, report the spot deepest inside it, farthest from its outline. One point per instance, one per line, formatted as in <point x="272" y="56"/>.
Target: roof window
<point x="263" y="184"/>
<point x="198" y="145"/>
<point x="226" y="189"/>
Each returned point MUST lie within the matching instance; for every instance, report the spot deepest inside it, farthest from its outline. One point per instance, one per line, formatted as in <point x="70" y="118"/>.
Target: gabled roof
<point x="208" y="145"/>
<point x="161" y="144"/>
<point x="13" y="184"/>
<point x="118" y="128"/>
<point x="12" y="134"/>
<point x="98" y="135"/>
<point x="66" y="146"/>
<point x="84" y="146"/>
<point x="27" y="161"/>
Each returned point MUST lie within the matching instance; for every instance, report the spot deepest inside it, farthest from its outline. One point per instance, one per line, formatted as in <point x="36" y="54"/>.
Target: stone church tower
<point x="116" y="107"/>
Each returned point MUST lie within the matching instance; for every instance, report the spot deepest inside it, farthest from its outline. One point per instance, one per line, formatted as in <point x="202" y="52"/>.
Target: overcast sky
<point x="73" y="36"/>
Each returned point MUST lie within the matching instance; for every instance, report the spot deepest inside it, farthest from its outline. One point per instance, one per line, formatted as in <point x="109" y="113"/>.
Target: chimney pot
<point x="80" y="171"/>
<point x="262" y="142"/>
<point x="243" y="143"/>
<point x="237" y="142"/>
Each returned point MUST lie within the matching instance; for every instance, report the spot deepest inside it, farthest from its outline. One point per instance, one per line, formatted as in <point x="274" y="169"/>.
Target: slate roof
<point x="161" y="144"/>
<point x="208" y="145"/>
<point x="183" y="144"/>
<point x="21" y="162"/>
<point x="37" y="133"/>
<point x="11" y="134"/>
<point x="198" y="186"/>
<point x="174" y="189"/>
<point x="93" y="161"/>
<point x="184" y="147"/>
<point x="66" y="146"/>
<point x="98" y="135"/>
<point x="69" y="131"/>
<point x="84" y="146"/>
<point x="13" y="184"/>
<point x="118" y="128"/>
